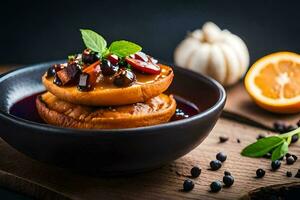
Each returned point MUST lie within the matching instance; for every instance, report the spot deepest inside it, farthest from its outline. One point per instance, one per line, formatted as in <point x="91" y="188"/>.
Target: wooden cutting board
<point x="240" y="107"/>
<point x="22" y="174"/>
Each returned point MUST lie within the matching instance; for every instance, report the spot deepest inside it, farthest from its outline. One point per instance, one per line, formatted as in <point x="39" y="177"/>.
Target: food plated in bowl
<point x="110" y="151"/>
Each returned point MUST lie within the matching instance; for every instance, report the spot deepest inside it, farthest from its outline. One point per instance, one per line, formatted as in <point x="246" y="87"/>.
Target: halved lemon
<point x="274" y="82"/>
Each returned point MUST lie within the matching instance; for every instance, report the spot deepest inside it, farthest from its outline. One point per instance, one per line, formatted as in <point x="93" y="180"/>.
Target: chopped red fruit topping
<point x="146" y="67"/>
<point x="113" y="59"/>
<point x="141" y="56"/>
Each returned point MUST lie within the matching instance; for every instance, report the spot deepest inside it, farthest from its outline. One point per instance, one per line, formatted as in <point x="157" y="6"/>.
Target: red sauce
<point x="26" y="109"/>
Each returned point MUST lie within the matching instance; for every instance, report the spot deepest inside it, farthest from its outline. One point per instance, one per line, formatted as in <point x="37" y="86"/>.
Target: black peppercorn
<point x="275" y="164"/>
<point x="279" y="127"/>
<point x="295" y="138"/>
<point x="289" y="174"/>
<point x="227" y="173"/>
<point x="188" y="185"/>
<point x="228" y="180"/>
<point x="195" y="171"/>
<point x="223" y="139"/>
<point x="295" y="157"/>
<point x="260" y="173"/>
<point x="221" y="156"/>
<point x="290" y="160"/>
<point x="216" y="186"/>
<point x="260" y="136"/>
<point x="215" y="165"/>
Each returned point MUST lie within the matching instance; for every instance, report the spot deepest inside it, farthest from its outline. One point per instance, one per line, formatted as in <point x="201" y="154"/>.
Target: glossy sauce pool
<point x="26" y="109"/>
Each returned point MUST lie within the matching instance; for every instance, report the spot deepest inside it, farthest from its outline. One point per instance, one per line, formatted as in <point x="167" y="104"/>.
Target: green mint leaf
<point x="93" y="41"/>
<point x="262" y="146"/>
<point x="124" y="48"/>
<point x="280" y="151"/>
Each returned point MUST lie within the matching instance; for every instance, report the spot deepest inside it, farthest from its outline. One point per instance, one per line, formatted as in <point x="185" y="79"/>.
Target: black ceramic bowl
<point x="109" y="151"/>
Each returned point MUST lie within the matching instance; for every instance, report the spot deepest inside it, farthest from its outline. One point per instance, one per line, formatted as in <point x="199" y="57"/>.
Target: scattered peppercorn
<point x="260" y="173"/>
<point x="295" y="157"/>
<point x="275" y="164"/>
<point x="228" y="180"/>
<point x="290" y="160"/>
<point x="223" y="139"/>
<point x="279" y="127"/>
<point x="298" y="174"/>
<point x="195" y="171"/>
<point x="188" y="185"/>
<point x="289" y="174"/>
<point x="215" y="165"/>
<point x="260" y="136"/>
<point x="290" y="128"/>
<point x="216" y="186"/>
<point x="287" y="155"/>
<point x="295" y="138"/>
<point x="238" y="140"/>
<point x="227" y="173"/>
<point x="221" y="156"/>
<point x="267" y="155"/>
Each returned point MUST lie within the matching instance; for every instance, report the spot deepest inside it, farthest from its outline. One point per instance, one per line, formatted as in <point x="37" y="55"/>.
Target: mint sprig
<point x="124" y="48"/>
<point x="278" y="145"/>
<point x="93" y="41"/>
<point x="97" y="43"/>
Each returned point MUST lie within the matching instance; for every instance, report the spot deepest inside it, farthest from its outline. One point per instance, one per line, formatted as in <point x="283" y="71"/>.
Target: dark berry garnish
<point x="295" y="157"/>
<point x="223" y="139"/>
<point x="298" y="174"/>
<point x="260" y="136"/>
<point x="275" y="164"/>
<point x="290" y="160"/>
<point x="227" y="173"/>
<point x="124" y="78"/>
<point x="279" y="127"/>
<point x="107" y="68"/>
<point x="53" y="69"/>
<point x="83" y="84"/>
<point x="260" y="173"/>
<point x="215" y="165"/>
<point x="289" y="174"/>
<point x="57" y="81"/>
<point x="188" y="185"/>
<point x="288" y="155"/>
<point x="295" y="138"/>
<point x="228" y="180"/>
<point x="195" y="171"/>
<point x="89" y="57"/>
<point x="216" y="186"/>
<point x="221" y="156"/>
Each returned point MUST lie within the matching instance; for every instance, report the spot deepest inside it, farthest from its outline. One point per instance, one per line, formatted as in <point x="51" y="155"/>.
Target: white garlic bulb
<point x="214" y="52"/>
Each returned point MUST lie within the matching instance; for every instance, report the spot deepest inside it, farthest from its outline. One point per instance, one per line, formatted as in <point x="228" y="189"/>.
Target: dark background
<point x="38" y="31"/>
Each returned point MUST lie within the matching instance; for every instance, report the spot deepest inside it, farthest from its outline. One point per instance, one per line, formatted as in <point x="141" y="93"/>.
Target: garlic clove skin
<point x="232" y="64"/>
<point x="199" y="59"/>
<point x="184" y="50"/>
<point x="217" y="65"/>
<point x="211" y="32"/>
<point x="239" y="48"/>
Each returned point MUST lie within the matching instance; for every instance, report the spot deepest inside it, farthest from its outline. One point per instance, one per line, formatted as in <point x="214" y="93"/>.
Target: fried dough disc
<point x="58" y="112"/>
<point x="146" y="87"/>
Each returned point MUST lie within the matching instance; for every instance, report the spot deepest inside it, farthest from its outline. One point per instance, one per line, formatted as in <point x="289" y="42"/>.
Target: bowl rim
<point x="219" y="104"/>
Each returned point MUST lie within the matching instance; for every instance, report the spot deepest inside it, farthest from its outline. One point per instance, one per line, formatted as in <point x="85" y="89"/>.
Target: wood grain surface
<point x="20" y="173"/>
